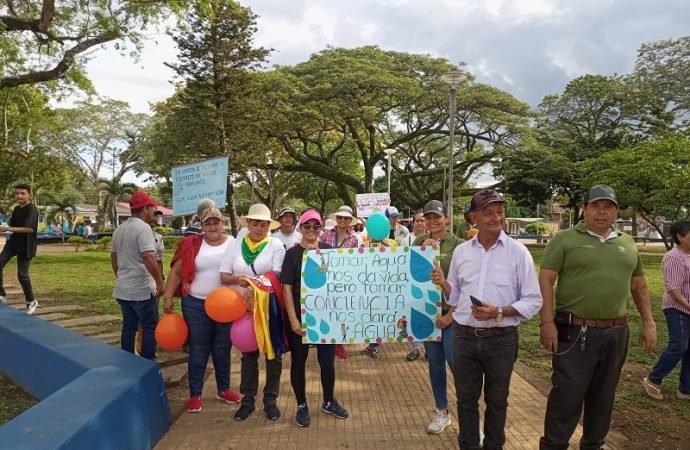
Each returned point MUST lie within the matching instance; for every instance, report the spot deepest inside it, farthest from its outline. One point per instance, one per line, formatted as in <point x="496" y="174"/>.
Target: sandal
<point x="652" y="389"/>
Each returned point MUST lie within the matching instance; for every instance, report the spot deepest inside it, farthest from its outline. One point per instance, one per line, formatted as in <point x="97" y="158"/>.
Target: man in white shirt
<point x="498" y="272"/>
<point x="287" y="233"/>
<point x="398" y="231"/>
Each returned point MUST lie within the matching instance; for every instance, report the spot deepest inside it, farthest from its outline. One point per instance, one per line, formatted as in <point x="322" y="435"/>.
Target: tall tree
<point x="216" y="54"/>
<point x="336" y="123"/>
<point x="45" y="40"/>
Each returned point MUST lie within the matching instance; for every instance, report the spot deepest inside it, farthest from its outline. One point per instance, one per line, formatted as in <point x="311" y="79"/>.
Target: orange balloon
<point x="171" y="332"/>
<point x="224" y="304"/>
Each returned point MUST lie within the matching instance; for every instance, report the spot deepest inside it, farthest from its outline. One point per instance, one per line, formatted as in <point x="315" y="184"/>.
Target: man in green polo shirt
<point x="596" y="267"/>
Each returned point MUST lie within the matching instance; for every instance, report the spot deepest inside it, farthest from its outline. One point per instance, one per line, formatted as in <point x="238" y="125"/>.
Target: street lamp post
<point x="452" y="78"/>
<point x="389" y="153"/>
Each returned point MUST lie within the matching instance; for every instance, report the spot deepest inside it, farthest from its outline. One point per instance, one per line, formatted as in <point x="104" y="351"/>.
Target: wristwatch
<point x="499" y="316"/>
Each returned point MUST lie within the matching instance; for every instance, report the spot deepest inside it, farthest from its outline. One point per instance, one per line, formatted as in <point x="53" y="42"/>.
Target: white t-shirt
<point x="288" y="241"/>
<point x="207" y="262"/>
<point x="269" y="260"/>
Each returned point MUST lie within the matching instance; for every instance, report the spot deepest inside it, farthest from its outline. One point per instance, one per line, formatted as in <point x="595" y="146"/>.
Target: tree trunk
<point x="633" y="218"/>
<point x="230" y="194"/>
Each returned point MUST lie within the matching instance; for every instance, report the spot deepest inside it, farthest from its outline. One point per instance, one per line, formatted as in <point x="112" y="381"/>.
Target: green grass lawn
<point x="13" y="401"/>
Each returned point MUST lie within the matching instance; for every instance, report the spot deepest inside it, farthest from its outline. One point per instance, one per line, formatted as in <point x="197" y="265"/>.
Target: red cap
<point x="141" y="199"/>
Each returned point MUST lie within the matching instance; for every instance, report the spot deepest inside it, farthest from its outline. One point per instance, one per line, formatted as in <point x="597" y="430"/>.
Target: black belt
<point x="572" y="319"/>
<point x="487" y="332"/>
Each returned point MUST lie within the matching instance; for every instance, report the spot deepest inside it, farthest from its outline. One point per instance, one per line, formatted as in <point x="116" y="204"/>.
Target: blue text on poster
<point x="365" y="295"/>
<point x="195" y="181"/>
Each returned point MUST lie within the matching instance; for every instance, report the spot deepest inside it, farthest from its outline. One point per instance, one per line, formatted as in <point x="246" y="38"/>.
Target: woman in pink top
<point x="676" y="305"/>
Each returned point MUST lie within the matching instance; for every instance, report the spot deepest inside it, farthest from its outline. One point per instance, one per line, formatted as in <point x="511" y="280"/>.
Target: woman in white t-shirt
<point x="195" y="273"/>
<point x="257" y="253"/>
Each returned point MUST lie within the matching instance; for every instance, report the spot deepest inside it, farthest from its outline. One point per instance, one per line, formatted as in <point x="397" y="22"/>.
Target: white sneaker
<point x="31" y="307"/>
<point x="3" y="299"/>
<point x="440" y="422"/>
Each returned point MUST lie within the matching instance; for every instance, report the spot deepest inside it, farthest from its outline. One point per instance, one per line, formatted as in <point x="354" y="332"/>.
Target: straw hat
<point x="343" y="211"/>
<point x="259" y="212"/>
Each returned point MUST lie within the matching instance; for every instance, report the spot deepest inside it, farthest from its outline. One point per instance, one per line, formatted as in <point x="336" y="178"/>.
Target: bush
<point x="78" y="241"/>
<point x="170" y="242"/>
<point x="163" y="230"/>
<point x="103" y="243"/>
<point x="537" y="228"/>
<point x="107" y="229"/>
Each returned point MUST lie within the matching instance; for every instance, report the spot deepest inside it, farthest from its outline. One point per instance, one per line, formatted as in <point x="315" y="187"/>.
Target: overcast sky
<point x="529" y="48"/>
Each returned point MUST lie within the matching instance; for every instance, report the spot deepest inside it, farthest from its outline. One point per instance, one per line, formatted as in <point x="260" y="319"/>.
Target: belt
<point x="486" y="332"/>
<point x="596" y="323"/>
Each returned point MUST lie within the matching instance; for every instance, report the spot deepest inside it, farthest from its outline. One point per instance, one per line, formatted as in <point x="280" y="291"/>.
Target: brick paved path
<point x="389" y="400"/>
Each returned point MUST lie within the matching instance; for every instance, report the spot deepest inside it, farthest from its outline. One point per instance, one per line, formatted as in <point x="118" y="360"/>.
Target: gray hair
<point x="203" y="204"/>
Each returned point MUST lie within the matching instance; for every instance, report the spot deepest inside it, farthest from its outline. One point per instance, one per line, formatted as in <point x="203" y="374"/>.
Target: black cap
<point x="482" y="199"/>
<point x="434" y="207"/>
<point x="601" y="192"/>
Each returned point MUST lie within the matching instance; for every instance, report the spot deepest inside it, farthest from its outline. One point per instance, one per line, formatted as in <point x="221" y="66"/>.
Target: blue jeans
<point x="135" y="313"/>
<point x="677" y="350"/>
<point x="206" y="337"/>
<point x="438" y="354"/>
<point x="483" y="362"/>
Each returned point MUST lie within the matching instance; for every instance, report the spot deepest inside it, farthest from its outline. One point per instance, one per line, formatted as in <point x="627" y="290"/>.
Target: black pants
<point x="300" y="352"/>
<point x="23" y="264"/>
<point x="249" y="384"/>
<point x="586" y="377"/>
<point x="483" y="362"/>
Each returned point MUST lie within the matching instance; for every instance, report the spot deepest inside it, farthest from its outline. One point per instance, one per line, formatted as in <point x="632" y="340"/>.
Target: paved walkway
<point x="389" y="400"/>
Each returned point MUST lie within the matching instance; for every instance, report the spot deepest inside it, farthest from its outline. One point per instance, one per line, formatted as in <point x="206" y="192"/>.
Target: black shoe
<point x="413" y="355"/>
<point x="302" y="417"/>
<point x="272" y="412"/>
<point x="243" y="412"/>
<point x="333" y="407"/>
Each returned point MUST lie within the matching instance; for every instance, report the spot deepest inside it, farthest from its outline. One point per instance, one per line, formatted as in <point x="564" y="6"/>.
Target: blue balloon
<point x="378" y="227"/>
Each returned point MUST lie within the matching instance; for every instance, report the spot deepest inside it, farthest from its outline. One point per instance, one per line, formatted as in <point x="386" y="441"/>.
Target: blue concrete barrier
<point x="92" y="395"/>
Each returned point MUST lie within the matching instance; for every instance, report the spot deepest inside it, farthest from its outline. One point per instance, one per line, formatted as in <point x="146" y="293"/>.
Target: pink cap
<point x="310" y="214"/>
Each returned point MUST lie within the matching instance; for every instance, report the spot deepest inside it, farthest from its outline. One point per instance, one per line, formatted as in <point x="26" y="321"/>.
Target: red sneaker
<point x="194" y="404"/>
<point x="228" y="397"/>
<point x="340" y="351"/>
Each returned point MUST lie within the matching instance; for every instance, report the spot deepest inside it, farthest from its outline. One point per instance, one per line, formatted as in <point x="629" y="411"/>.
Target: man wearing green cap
<point x="596" y="268"/>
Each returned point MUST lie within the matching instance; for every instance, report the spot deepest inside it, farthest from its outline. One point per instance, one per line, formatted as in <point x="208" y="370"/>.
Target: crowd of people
<point x="489" y="286"/>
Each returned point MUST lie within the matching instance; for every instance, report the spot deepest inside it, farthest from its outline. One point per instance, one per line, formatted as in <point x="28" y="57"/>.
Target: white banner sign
<point x="368" y="204"/>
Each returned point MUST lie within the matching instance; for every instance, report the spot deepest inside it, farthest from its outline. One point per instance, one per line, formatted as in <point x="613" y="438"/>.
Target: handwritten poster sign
<point x="363" y="295"/>
<point x="203" y="179"/>
<point x="368" y="204"/>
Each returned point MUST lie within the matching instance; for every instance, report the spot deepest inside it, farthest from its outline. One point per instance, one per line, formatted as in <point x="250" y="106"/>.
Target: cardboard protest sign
<point x="363" y="295"/>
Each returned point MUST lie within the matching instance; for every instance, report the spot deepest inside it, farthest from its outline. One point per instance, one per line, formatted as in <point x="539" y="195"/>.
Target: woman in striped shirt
<point x="676" y="305"/>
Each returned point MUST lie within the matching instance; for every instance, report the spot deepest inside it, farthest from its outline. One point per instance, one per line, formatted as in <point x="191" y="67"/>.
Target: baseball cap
<point x="392" y="211"/>
<point x="308" y="215"/>
<point x="210" y="213"/>
<point x="434" y="207"/>
<point x="482" y="199"/>
<point x="601" y="192"/>
<point x="141" y="199"/>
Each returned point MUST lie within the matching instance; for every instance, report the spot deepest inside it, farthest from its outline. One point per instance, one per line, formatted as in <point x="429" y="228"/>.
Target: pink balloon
<point x="242" y="334"/>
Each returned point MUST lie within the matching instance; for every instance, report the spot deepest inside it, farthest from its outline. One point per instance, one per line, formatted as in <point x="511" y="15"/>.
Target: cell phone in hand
<point x="475" y="301"/>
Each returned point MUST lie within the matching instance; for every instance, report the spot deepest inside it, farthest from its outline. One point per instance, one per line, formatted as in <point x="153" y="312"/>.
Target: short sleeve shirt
<point x="593" y="276"/>
<point x="130" y="240"/>
<point x="25" y="217"/>
<point x="269" y="260"/>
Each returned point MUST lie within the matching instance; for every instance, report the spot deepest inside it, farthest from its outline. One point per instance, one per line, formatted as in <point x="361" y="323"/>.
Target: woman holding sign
<point x="245" y="262"/>
<point x="291" y="278"/>
<point x="440" y="353"/>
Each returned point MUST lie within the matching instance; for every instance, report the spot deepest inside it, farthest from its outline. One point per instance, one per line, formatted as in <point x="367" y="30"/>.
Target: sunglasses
<point x="311" y="226"/>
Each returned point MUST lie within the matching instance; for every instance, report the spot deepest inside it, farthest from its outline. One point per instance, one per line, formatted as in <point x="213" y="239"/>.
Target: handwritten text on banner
<point x="363" y="295"/>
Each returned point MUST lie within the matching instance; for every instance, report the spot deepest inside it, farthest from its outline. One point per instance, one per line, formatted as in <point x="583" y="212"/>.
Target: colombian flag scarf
<point x="268" y="317"/>
<point x="251" y="250"/>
